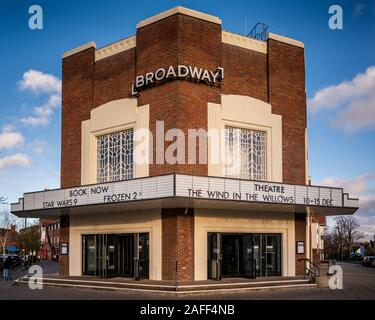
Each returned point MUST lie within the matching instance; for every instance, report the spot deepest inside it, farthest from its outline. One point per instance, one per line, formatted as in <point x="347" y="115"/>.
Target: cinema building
<point x="185" y="219"/>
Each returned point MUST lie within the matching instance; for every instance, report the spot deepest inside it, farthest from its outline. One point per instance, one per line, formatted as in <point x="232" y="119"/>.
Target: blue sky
<point x="340" y="82"/>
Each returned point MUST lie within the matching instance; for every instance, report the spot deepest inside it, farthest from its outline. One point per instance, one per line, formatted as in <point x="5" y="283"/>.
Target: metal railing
<point x="259" y="32"/>
<point x="311" y="270"/>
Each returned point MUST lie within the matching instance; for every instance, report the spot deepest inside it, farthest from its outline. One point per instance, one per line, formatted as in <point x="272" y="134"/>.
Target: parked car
<point x="16" y="261"/>
<point x="368" y="261"/>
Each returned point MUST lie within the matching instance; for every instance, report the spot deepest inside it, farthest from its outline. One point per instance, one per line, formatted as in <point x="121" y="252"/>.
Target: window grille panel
<point x="115" y="156"/>
<point x="245" y="152"/>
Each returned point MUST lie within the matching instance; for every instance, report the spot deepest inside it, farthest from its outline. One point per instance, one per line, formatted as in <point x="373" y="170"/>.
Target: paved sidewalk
<point x="359" y="284"/>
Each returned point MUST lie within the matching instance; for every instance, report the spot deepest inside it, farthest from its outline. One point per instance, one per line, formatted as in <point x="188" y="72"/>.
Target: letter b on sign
<point x="36" y="20"/>
<point x="36" y="280"/>
<point x="337" y="20"/>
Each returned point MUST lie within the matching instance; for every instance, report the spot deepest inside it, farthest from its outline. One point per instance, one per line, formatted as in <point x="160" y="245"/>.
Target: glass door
<point x="273" y="254"/>
<point x="214" y="256"/>
<point x="231" y="255"/>
<point x="113" y="261"/>
<point x="126" y="255"/>
<point x="249" y="268"/>
<point x="143" y="248"/>
<point x="89" y="255"/>
<point x="243" y="255"/>
<point x="102" y="256"/>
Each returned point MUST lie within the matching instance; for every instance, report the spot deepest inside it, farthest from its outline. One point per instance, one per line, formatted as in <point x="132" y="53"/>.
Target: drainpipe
<point x="308" y="236"/>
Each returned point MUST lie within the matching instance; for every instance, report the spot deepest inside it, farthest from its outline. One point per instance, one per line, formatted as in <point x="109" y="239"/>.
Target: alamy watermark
<point x="36" y="278"/>
<point x="336" y="281"/>
<point x="36" y="19"/>
<point x="336" y="20"/>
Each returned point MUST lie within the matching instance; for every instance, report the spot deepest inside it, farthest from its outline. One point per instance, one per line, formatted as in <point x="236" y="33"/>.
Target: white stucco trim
<point x="307" y="156"/>
<point x="244" y="42"/>
<point x="248" y="113"/>
<point x="115" y="48"/>
<point x="79" y="49"/>
<point x="117" y="223"/>
<point x="286" y="40"/>
<point x="175" y="10"/>
<point x="111" y="117"/>
<point x="207" y="221"/>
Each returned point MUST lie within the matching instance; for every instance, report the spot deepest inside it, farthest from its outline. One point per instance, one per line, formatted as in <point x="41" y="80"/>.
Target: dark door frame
<point x="258" y="265"/>
<point x="139" y="255"/>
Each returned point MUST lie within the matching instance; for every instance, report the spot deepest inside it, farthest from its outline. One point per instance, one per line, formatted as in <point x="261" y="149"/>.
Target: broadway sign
<point x="181" y="72"/>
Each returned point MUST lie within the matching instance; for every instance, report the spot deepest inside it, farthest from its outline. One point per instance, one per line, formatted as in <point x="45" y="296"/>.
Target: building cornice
<point x="286" y="40"/>
<point x="115" y="48"/>
<point x="83" y="47"/>
<point x="181" y="10"/>
<point x="244" y="42"/>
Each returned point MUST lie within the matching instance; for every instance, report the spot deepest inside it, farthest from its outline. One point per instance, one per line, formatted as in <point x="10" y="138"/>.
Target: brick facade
<point x="277" y="77"/>
<point x="77" y="102"/>
<point x="300" y="235"/>
<point x="286" y="82"/>
<point x="177" y="239"/>
<point x="64" y="238"/>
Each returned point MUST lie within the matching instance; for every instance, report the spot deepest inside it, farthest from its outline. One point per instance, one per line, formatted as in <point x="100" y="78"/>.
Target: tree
<point x="29" y="238"/>
<point x="340" y="241"/>
<point x="7" y="221"/>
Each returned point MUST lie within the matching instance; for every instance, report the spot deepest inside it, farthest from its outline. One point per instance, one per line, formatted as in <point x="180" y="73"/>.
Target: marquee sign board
<point x="181" y="72"/>
<point x="256" y="191"/>
<point x="182" y="186"/>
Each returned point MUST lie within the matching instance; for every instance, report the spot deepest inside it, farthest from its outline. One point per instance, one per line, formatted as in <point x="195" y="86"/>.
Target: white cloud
<point x="356" y="186"/>
<point x="42" y="114"/>
<point x="10" y="138"/>
<point x="18" y="159"/>
<point x="361" y="187"/>
<point x="39" y="82"/>
<point x="353" y="102"/>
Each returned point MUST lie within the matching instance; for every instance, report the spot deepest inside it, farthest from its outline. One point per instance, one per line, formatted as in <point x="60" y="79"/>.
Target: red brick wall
<point x="77" y="102"/>
<point x="300" y="235"/>
<point x="64" y="237"/>
<point x="114" y="77"/>
<point x="245" y="72"/>
<point x="286" y="78"/>
<point x="176" y="40"/>
<point x="177" y="244"/>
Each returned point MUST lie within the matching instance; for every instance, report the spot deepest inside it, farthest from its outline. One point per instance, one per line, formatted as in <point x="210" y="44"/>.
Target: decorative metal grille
<point x="245" y="152"/>
<point x="115" y="156"/>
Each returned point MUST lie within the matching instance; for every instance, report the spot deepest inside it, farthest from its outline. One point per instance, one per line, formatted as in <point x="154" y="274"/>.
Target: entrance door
<point x="244" y="255"/>
<point x="102" y="256"/>
<point x="89" y="257"/>
<point x="231" y="263"/>
<point x="94" y="255"/>
<point x="143" y="255"/>
<point x="248" y="270"/>
<point x="272" y="252"/>
<point x="116" y="255"/>
<point x="126" y="255"/>
<point x="113" y="251"/>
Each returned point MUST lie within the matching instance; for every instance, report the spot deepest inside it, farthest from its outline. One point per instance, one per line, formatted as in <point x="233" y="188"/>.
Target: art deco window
<point x="245" y="152"/>
<point x="115" y="156"/>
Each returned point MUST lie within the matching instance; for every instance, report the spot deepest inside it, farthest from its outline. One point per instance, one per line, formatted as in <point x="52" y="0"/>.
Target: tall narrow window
<point x="115" y="156"/>
<point x="245" y="153"/>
